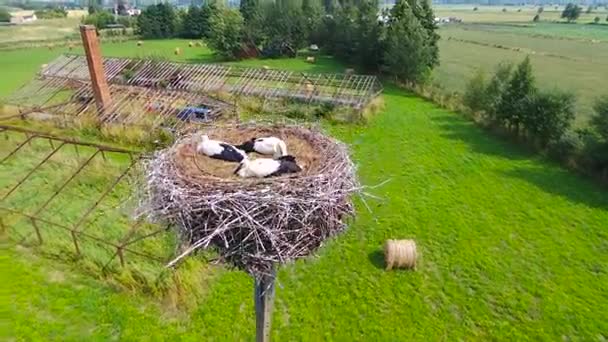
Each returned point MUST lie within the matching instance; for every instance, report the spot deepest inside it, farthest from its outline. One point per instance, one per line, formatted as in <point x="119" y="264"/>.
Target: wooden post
<point x="264" y="302"/>
<point x="101" y="91"/>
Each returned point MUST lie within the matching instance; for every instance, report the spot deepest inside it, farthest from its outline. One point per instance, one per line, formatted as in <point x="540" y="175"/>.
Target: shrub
<point x="4" y="15"/>
<point x="548" y="115"/>
<point x="475" y="96"/>
<point x="504" y="9"/>
<point x="51" y="13"/>
<point x="599" y="122"/>
<point x="496" y="89"/>
<point x="475" y="8"/>
<point x="536" y="18"/>
<point x="100" y="19"/>
<point x="567" y="146"/>
<point x="596" y="20"/>
<point x="226" y="33"/>
<point x="540" y="10"/>
<point x="514" y="102"/>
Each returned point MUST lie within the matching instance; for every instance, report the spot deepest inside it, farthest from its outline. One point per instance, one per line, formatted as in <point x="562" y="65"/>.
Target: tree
<point x="571" y="12"/>
<point x="424" y="12"/>
<point x="370" y="36"/>
<point x="513" y="104"/>
<point x="192" y="25"/>
<point x="157" y="21"/>
<point x="540" y="10"/>
<point x="313" y="15"/>
<point x="285" y="28"/>
<point x="4" y="15"/>
<point x="596" y="20"/>
<point x="496" y="89"/>
<point x="344" y="39"/>
<point x="475" y="96"/>
<point x="226" y="33"/>
<point x="408" y="57"/>
<point x="536" y="18"/>
<point x="549" y="115"/>
<point x="599" y="122"/>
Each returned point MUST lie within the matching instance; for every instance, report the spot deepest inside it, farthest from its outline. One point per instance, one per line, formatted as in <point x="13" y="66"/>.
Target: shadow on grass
<point x="376" y="258"/>
<point x="479" y="140"/>
<point x="563" y="183"/>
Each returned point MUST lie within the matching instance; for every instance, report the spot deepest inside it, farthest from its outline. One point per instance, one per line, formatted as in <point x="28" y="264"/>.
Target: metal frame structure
<point x="77" y="231"/>
<point x="177" y="84"/>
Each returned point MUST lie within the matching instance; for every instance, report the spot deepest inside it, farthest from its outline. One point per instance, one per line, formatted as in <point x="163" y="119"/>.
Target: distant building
<point x="23" y="17"/>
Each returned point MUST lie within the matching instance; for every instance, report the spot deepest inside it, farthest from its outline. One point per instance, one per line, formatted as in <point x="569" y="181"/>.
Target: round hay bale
<point x="51" y="46"/>
<point x="400" y="254"/>
<point x="198" y="44"/>
<point x="190" y="44"/>
<point x="140" y="43"/>
<point x="253" y="223"/>
<point x="70" y="46"/>
<point x="310" y="59"/>
<point x="177" y="51"/>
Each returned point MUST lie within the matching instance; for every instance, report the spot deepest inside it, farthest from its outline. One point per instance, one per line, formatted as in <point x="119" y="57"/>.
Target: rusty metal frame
<point x="76" y="231"/>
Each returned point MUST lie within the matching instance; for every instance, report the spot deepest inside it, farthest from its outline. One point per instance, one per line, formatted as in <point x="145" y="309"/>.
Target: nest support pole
<point x="264" y="303"/>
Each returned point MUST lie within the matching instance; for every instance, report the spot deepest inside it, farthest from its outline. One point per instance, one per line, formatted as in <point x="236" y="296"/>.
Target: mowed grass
<point x="511" y="247"/>
<point x="578" y="65"/>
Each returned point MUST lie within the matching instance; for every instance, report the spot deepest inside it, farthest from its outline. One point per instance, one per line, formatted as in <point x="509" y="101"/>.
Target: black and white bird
<point x="266" y="167"/>
<point x="217" y="149"/>
<point x="268" y="146"/>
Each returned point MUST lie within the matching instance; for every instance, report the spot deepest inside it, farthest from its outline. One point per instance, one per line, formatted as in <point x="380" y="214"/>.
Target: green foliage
<point x="126" y="21"/>
<point x="195" y="24"/>
<point x="370" y="36"/>
<point x="596" y="20"/>
<point x="100" y="19"/>
<point x="589" y="9"/>
<point x="540" y="10"/>
<point x="599" y="122"/>
<point x="226" y="33"/>
<point x="158" y="21"/>
<point x="536" y="18"/>
<point x="4" y="15"/>
<point x="475" y="96"/>
<point x="407" y="53"/>
<point x="548" y="115"/>
<point x="497" y="87"/>
<point x="285" y="27"/>
<point x="514" y="102"/>
<point x="312" y="10"/>
<point x="51" y="13"/>
<point x="571" y="12"/>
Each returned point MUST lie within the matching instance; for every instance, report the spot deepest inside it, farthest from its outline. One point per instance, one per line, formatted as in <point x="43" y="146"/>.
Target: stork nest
<point x="253" y="223"/>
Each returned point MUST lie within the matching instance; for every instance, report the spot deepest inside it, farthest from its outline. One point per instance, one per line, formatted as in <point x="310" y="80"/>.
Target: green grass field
<point x="571" y="57"/>
<point x="512" y="247"/>
<point x="43" y="29"/>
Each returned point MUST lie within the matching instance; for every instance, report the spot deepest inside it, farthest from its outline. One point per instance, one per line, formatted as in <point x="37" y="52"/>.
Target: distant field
<point x="43" y="29"/>
<point x="572" y="57"/>
<point x="494" y="14"/>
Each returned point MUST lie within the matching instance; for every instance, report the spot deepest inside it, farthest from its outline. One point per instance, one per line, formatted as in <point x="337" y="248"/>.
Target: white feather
<point x="261" y="167"/>
<point x="270" y="145"/>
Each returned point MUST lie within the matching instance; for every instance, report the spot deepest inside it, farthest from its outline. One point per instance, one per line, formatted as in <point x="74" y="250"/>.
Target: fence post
<point x="264" y="302"/>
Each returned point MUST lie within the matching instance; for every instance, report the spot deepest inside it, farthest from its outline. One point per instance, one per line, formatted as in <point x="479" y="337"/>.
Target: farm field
<point x="512" y="246"/>
<point x="43" y="29"/>
<point x="571" y="57"/>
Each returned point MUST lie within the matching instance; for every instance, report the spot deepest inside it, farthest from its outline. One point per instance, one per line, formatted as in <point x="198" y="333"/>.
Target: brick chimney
<point x="95" y="63"/>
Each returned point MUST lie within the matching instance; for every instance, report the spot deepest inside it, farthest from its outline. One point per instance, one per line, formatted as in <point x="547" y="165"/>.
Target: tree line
<point x="400" y="42"/>
<point x="511" y="100"/>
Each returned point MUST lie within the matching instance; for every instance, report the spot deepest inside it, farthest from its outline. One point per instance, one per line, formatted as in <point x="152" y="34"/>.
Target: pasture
<point x="571" y="57"/>
<point x="39" y="30"/>
<point x="512" y="246"/>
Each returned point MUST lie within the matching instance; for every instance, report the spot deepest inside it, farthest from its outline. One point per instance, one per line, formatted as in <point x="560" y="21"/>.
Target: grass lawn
<point x="43" y="29"/>
<point x="511" y="247"/>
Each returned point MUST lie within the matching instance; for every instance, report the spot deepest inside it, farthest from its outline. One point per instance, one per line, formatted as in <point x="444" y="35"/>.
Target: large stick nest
<point x="253" y="223"/>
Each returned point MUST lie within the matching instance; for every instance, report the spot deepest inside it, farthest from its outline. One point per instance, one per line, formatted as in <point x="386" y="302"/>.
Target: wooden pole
<point x="101" y="91"/>
<point x="264" y="302"/>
